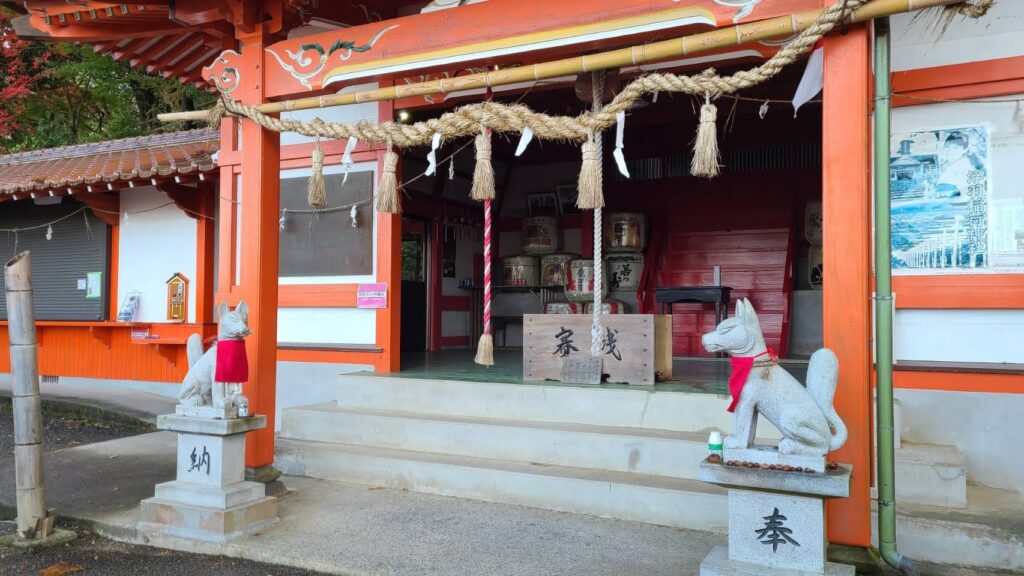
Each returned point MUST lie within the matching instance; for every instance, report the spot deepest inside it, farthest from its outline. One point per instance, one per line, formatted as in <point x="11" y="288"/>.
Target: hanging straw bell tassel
<point x="485" y="350"/>
<point x="387" y="190"/>
<point x="216" y="114"/>
<point x="317" y="196"/>
<point x="705" y="147"/>
<point x="483" y="174"/>
<point x="590" y="185"/>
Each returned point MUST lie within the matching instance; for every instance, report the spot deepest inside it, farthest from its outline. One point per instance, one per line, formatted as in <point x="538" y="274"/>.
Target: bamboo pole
<point x="28" y="425"/>
<point x="780" y="26"/>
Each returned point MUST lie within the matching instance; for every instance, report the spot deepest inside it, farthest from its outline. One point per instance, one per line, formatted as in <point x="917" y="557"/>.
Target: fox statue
<point x="199" y="387"/>
<point x="805" y="416"/>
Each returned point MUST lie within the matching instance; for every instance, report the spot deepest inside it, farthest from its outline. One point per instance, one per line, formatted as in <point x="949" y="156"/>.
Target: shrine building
<point x="365" y="323"/>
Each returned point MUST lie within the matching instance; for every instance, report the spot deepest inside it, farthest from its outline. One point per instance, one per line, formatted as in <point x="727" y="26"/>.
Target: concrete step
<point x="626" y="496"/>
<point x="929" y="474"/>
<point x="628" y="407"/>
<point x="640" y="450"/>
<point x="988" y="533"/>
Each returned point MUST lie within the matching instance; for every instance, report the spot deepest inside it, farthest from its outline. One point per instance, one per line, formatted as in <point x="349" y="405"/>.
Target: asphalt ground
<point x="91" y="555"/>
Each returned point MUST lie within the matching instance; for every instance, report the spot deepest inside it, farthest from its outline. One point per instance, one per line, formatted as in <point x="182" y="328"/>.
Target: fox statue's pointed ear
<point x="739" y="309"/>
<point x="243" y="310"/>
<point x="222" y="310"/>
<point x="748" y="311"/>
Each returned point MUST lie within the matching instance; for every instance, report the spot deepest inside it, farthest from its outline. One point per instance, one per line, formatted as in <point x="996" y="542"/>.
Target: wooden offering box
<point x="634" y="346"/>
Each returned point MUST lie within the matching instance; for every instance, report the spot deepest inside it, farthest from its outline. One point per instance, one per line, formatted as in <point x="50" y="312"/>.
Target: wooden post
<point x="28" y="420"/>
<point x="258" y="255"/>
<point x="846" y="217"/>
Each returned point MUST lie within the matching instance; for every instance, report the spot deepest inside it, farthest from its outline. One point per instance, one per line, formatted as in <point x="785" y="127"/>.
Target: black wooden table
<point x="717" y="295"/>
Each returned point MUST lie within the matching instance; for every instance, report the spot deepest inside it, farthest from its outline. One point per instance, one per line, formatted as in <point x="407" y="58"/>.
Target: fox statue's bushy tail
<point x="194" y="349"/>
<point x="822" y="378"/>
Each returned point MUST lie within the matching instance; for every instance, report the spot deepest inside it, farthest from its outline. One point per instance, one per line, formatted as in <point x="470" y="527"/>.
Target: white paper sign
<point x="81" y="283"/>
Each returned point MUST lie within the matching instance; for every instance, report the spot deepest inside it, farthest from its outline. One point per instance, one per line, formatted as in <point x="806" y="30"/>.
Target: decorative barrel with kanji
<point x="625" y="232"/>
<point x="563" y="308"/>
<point x="579" y="281"/>
<point x="610" y="306"/>
<point x="539" y="235"/>
<point x="624" y="270"/>
<point x="554" y="267"/>
<point x="520" y="271"/>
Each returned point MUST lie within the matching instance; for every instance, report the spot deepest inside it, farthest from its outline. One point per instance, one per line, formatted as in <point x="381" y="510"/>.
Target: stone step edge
<point x="284" y="446"/>
<point x="554" y="426"/>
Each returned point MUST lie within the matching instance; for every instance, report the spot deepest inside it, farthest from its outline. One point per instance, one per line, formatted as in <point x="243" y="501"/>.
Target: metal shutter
<point x="57" y="264"/>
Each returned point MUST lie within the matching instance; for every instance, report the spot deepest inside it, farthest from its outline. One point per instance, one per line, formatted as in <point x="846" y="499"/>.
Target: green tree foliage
<point x="68" y="94"/>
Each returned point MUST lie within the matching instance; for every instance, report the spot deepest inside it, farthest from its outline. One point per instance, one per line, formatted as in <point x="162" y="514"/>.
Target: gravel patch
<point x="67" y="426"/>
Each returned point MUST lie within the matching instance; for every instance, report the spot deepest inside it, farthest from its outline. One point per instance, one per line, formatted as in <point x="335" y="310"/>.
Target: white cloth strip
<point x="435" y="142"/>
<point x="346" y="157"/>
<point x="620" y="128"/>
<point x="524" y="140"/>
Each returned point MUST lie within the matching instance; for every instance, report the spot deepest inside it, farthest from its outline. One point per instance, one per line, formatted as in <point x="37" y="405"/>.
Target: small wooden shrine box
<point x="634" y="346"/>
<point x="177" y="298"/>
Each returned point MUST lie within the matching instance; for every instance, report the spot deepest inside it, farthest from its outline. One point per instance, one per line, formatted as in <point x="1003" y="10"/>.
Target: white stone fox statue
<point x="805" y="416"/>
<point x="199" y="388"/>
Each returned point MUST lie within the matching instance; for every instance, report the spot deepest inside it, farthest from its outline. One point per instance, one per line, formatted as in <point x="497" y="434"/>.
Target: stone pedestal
<point x="776" y="521"/>
<point x="210" y="500"/>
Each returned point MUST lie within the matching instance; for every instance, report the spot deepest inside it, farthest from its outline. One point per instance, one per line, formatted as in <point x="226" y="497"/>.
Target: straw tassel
<point x="483" y="174"/>
<point x="387" y="190"/>
<point x="705" y="147"/>
<point x="317" y="196"/>
<point x="215" y="115"/>
<point x="590" y="185"/>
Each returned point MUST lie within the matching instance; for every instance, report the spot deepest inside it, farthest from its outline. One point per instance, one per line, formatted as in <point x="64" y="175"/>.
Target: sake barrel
<point x="520" y="271"/>
<point x="610" y="306"/>
<point x="624" y="232"/>
<point x="539" y="235"/>
<point x="563" y="308"/>
<point x="579" y="281"/>
<point x="624" y="271"/>
<point x="553" y="268"/>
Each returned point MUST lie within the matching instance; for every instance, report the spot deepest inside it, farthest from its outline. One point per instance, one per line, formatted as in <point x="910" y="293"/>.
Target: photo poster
<point x="940" y="200"/>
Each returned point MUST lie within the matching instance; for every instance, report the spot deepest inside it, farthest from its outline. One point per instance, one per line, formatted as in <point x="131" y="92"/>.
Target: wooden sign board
<point x="633" y="348"/>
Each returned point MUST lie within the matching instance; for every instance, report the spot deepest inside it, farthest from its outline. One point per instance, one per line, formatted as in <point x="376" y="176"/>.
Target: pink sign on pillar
<point x="372" y="296"/>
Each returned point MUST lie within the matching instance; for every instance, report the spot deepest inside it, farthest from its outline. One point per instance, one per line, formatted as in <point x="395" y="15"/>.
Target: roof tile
<point x="110" y="161"/>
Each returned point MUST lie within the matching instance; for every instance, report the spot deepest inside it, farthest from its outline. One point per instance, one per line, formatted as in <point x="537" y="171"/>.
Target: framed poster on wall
<point x="941" y="212"/>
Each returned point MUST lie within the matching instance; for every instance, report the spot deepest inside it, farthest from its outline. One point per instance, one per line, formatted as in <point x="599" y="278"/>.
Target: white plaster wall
<point x="455" y="323"/>
<point x="304" y="383"/>
<point x="987" y="428"/>
<point x="959" y="335"/>
<point x="327" y="325"/>
<point x="152" y="247"/>
<point x="349" y="113"/>
<point x="999" y="34"/>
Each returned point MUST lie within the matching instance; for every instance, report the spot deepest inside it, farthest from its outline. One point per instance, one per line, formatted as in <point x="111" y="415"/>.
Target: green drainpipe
<point x="883" y="314"/>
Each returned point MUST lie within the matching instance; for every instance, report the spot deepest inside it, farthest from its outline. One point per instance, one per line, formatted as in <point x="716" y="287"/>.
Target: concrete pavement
<point x="353" y="529"/>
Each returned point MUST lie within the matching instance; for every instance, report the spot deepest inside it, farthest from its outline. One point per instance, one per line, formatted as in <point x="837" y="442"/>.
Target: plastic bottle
<point x="243" y="406"/>
<point x="715" y="443"/>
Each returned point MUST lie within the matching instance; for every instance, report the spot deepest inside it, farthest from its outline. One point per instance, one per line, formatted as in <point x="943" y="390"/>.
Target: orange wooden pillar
<point x="846" y="202"/>
<point x="389" y="267"/>
<point x="259" y="251"/>
<point x="205" y="230"/>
